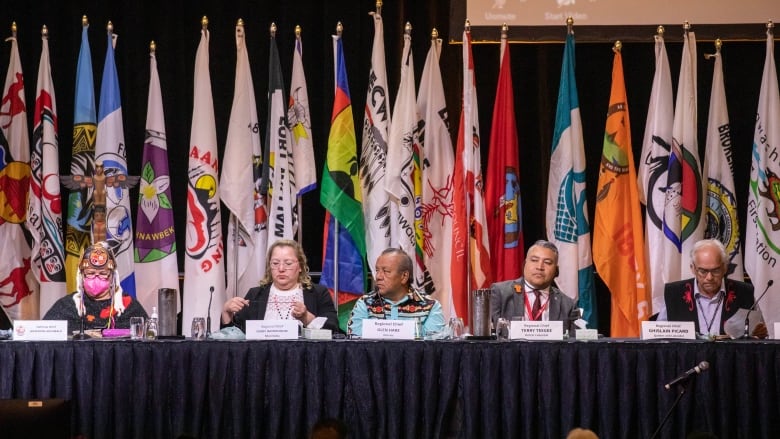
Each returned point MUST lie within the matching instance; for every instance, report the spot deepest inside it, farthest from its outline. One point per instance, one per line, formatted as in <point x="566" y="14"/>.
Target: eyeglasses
<point x="703" y="272"/>
<point x="286" y="264"/>
<point x="94" y="273"/>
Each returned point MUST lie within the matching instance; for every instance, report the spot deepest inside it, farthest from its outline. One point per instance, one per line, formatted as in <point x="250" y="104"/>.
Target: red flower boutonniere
<point x="730" y="298"/>
<point x="688" y="296"/>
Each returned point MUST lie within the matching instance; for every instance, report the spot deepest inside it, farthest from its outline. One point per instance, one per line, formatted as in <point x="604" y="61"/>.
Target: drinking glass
<point x="502" y="329"/>
<point x="198" y="328"/>
<point x="456" y="328"/>
<point x="137" y="328"/>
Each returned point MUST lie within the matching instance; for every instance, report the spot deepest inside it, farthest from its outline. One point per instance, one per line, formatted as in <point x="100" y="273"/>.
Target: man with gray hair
<point x="394" y="297"/>
<point x="708" y="299"/>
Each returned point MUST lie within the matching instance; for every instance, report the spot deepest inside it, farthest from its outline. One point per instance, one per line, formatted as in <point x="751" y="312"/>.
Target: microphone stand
<point x="683" y="388"/>
<point x="208" y="315"/>
<point x="746" y="335"/>
<point x="81" y="335"/>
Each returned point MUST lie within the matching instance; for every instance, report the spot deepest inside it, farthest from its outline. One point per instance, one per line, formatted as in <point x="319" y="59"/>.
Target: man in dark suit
<point x="709" y="298"/>
<point x="533" y="297"/>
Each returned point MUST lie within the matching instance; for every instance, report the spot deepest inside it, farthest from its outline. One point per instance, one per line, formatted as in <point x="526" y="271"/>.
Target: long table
<point x="421" y="389"/>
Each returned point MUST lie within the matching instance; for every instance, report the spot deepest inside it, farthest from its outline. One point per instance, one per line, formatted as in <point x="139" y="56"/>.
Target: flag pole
<point x="467" y="135"/>
<point x="297" y="214"/>
<point x="339" y="30"/>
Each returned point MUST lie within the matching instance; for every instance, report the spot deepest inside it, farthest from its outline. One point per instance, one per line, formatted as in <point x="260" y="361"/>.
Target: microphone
<point x="208" y="314"/>
<point x="699" y="368"/>
<point x="753" y="308"/>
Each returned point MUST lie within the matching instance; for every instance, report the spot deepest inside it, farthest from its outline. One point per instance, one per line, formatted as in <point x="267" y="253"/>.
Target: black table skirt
<point x="423" y="389"/>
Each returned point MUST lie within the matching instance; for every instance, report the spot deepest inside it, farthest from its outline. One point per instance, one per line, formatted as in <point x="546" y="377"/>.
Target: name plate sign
<point x="666" y="330"/>
<point x="381" y="329"/>
<point x="533" y="330"/>
<point x="271" y="329"/>
<point x="41" y="330"/>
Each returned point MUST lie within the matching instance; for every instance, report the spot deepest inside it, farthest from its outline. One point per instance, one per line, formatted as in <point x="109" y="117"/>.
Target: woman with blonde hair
<point x="285" y="293"/>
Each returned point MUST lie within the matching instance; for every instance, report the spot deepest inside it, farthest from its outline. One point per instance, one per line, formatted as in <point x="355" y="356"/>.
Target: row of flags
<point x="408" y="188"/>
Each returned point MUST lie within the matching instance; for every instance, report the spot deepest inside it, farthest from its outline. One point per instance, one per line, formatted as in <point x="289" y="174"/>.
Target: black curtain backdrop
<point x="175" y="26"/>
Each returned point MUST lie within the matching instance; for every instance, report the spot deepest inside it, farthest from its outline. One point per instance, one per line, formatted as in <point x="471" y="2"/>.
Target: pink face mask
<point x="94" y="286"/>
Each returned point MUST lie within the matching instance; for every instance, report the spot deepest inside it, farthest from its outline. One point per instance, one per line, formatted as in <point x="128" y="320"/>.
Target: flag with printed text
<point x="204" y="269"/>
<point x="403" y="178"/>
<point x="762" y="235"/>
<point x="618" y="242"/>
<point x="110" y="149"/>
<point x="283" y="213"/>
<point x="378" y="212"/>
<point x="436" y="209"/>
<point x="718" y="169"/>
<point x="471" y="250"/>
<point x="155" y="238"/>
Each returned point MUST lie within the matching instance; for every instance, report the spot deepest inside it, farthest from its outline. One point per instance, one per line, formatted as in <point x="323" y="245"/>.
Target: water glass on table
<point x="456" y="328"/>
<point x="137" y="328"/>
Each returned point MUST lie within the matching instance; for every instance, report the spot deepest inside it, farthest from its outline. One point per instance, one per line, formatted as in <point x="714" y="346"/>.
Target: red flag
<point x="470" y="253"/>
<point x="502" y="190"/>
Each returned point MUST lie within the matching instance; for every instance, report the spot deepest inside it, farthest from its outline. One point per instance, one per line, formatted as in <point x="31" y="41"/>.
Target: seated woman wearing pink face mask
<point x="105" y="304"/>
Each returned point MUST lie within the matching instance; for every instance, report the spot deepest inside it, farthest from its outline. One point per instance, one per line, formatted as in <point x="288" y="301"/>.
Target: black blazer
<point x="317" y="300"/>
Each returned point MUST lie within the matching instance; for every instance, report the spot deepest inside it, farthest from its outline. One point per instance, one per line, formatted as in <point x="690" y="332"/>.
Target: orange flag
<point x="618" y="247"/>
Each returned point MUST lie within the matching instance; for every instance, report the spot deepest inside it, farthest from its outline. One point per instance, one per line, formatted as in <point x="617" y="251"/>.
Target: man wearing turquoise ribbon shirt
<point x="394" y="298"/>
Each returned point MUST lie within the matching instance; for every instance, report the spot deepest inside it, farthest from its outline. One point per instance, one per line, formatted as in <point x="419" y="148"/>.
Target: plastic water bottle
<point x="152" y="325"/>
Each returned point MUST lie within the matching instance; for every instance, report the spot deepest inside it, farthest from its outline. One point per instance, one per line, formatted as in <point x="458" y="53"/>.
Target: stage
<point x="421" y="389"/>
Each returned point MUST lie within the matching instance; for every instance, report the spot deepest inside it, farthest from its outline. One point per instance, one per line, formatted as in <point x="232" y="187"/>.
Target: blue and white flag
<point x="110" y="150"/>
<point x="567" y="209"/>
<point x="762" y="236"/>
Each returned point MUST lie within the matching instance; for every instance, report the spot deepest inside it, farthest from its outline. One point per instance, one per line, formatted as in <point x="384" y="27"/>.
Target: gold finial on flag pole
<point x="273" y="29"/>
<point x="339" y="28"/>
<point x="379" y="7"/>
<point x="298" y="31"/>
<point x="13" y="29"/>
<point x="204" y="23"/>
<point x="152" y="47"/>
<point x="45" y="32"/>
<point x="686" y="27"/>
<point x="770" y="25"/>
<point x="434" y="34"/>
<point x="408" y="28"/>
<point x="110" y="27"/>
<point x="467" y="26"/>
<point x="618" y="46"/>
<point x="660" y="31"/>
<point x="240" y="22"/>
<point x="84" y="21"/>
<point x="570" y="26"/>
<point x="504" y="30"/>
<point x="718" y="45"/>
